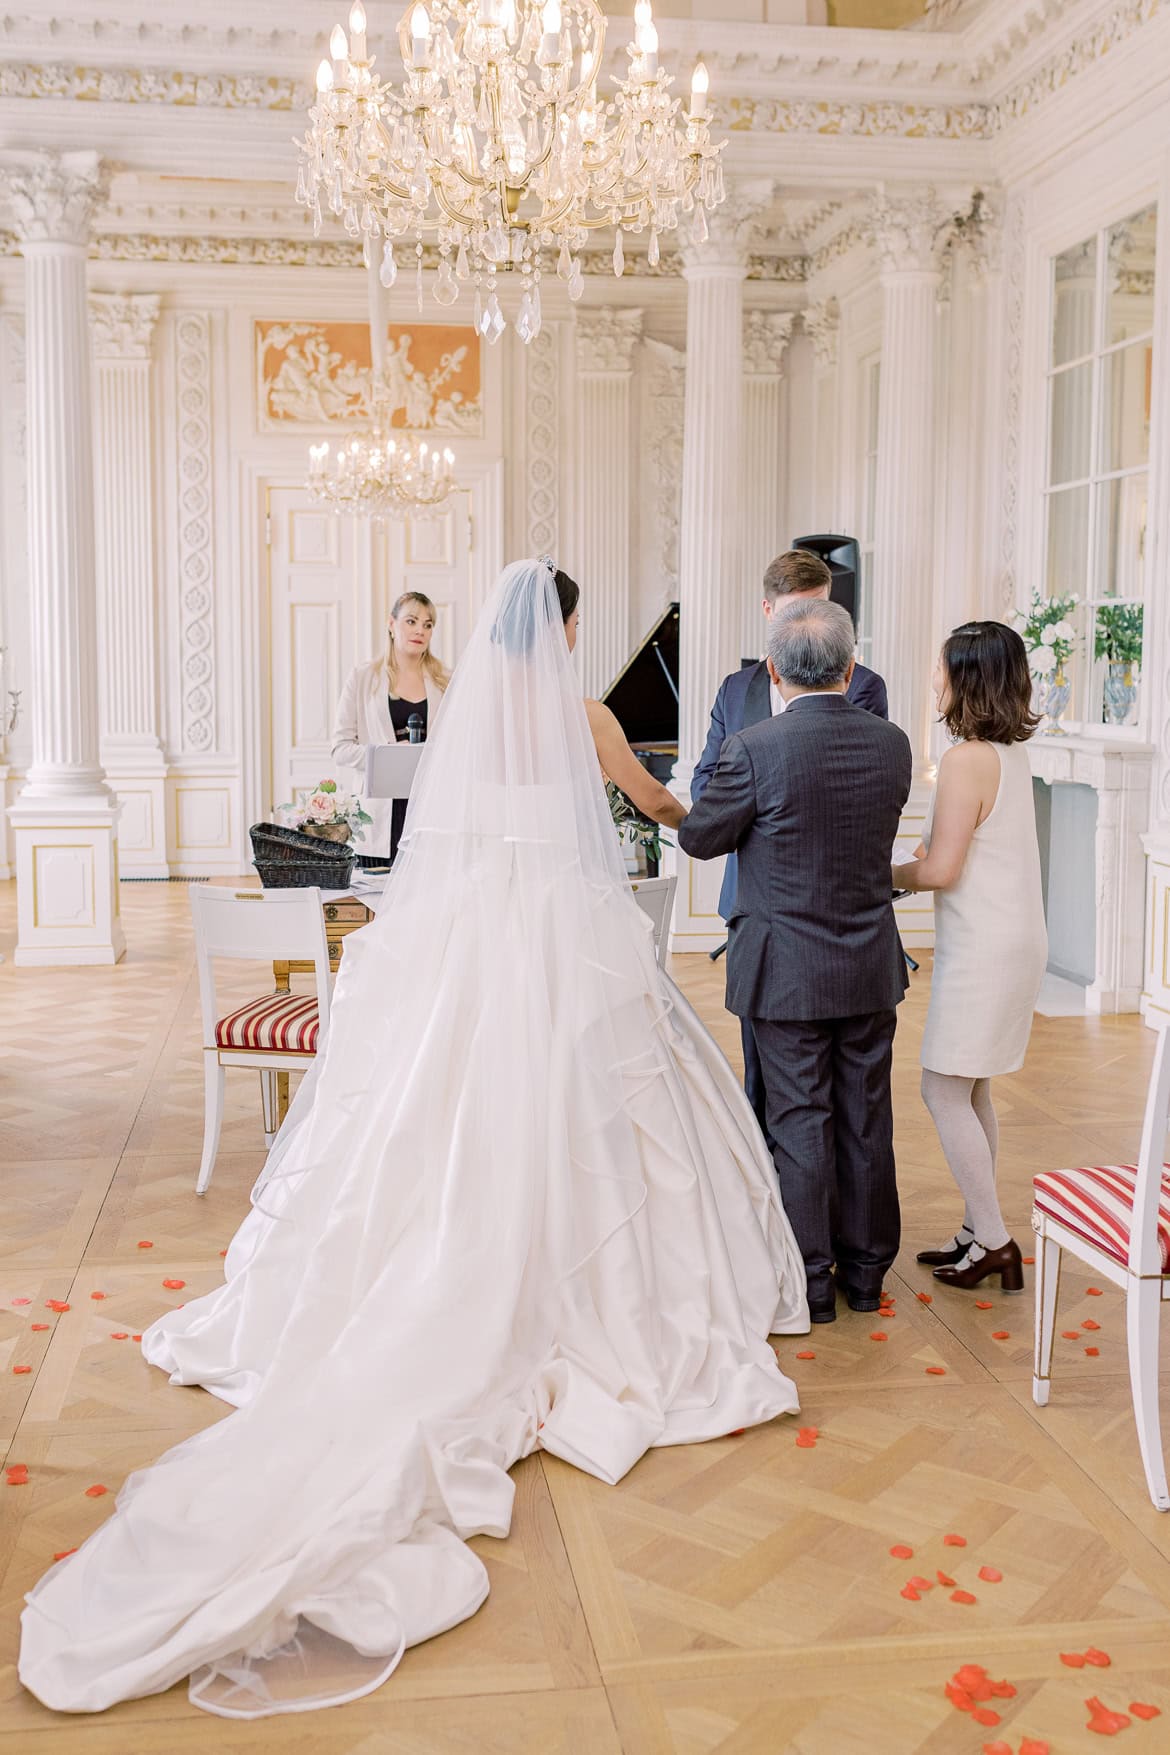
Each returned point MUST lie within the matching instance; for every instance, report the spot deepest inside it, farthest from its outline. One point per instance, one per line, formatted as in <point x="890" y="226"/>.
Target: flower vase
<point x="1120" y="693"/>
<point x="327" y="831"/>
<point x="1054" y="698"/>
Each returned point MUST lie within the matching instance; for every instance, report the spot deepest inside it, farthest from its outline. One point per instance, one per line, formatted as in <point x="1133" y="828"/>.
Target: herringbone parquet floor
<point x="736" y="1597"/>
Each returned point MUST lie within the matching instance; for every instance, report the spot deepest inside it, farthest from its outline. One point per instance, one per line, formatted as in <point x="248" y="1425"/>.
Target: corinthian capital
<point x="606" y="339"/>
<point x="765" y="342"/>
<point x="909" y="229"/>
<point x="726" y="237"/>
<point x="821" y="323"/>
<point x="980" y="232"/>
<point x="122" y="324"/>
<point x="53" y="195"/>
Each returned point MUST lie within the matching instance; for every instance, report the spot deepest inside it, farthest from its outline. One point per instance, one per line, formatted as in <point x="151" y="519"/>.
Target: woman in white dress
<point x="519" y="1202"/>
<point x="981" y="857"/>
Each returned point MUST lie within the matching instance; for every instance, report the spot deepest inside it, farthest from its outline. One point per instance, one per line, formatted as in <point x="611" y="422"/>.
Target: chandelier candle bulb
<point x="357" y="30"/>
<point x="700" y="85"/>
<point x="339" y="49"/>
<point x="324" y="79"/>
<point x="420" y="36"/>
<point x="550" y="46"/>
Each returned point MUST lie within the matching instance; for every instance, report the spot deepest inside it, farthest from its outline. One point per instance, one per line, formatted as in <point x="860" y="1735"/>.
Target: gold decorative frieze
<point x="321" y="375"/>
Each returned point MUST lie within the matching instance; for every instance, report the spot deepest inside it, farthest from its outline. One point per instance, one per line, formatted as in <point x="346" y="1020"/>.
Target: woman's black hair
<point x="524" y="612"/>
<point x="568" y="591"/>
<point x="989" y="686"/>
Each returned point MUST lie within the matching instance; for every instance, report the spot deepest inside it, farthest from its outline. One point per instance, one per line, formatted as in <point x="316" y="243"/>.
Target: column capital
<point x="606" y="339"/>
<point x="54" y="195"/>
<point x="822" y="323"/>
<point x="980" y="232"/>
<point x="723" y="240"/>
<point x="909" y="229"/>
<point x="765" y="342"/>
<point x="122" y="324"/>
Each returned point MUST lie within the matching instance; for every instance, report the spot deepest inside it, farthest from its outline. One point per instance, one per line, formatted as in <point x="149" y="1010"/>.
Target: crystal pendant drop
<point x="701" y="229"/>
<point x="565" y="261"/>
<point x="477" y="313"/>
<point x="462" y="266"/>
<point x="619" y="256"/>
<point x="576" y="282"/>
<point x="524" y="320"/>
<point x="388" y="273"/>
<point x="653" y="254"/>
<point x="446" y="289"/>
<point x="495" y="324"/>
<point x="367" y="251"/>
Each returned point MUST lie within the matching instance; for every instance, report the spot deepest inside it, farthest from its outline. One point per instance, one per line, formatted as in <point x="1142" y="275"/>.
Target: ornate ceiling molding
<point x="122" y="324"/>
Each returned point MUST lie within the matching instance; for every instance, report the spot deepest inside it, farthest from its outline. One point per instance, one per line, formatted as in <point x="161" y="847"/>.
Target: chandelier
<point x="377" y="476"/>
<point x="499" y="145"/>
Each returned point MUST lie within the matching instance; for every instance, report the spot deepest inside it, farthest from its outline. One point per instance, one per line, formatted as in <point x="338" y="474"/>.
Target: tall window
<point x="1099" y="379"/>
<point x="871" y="388"/>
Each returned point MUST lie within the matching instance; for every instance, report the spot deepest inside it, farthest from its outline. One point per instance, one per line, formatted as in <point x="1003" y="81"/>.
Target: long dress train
<point x="531" y="1209"/>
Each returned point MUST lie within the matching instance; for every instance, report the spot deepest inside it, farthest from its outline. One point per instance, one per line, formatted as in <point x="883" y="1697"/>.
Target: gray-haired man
<point x="810" y="802"/>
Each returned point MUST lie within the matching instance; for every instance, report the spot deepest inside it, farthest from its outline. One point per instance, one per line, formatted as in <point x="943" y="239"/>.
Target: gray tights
<point x="962" y="1111"/>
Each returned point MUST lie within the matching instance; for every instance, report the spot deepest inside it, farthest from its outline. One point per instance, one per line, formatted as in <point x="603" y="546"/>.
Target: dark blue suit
<point x="745" y="699"/>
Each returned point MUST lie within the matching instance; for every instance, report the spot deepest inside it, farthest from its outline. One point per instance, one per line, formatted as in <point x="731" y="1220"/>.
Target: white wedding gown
<point x="519" y="1203"/>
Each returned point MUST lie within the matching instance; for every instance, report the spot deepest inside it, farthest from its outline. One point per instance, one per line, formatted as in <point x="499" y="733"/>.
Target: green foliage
<point x="1119" y="633"/>
<point x="632" y="824"/>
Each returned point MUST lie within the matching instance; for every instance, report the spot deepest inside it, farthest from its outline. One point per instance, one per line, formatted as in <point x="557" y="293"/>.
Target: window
<point x="871" y="372"/>
<point x="1097" y="492"/>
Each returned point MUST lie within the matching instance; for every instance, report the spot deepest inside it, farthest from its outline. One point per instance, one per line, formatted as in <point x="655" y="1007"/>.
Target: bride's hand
<point x="621" y="766"/>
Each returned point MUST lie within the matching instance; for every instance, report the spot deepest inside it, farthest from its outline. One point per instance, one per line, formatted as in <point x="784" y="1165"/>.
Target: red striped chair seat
<point x="285" y="1023"/>
<point x="1097" y="1205"/>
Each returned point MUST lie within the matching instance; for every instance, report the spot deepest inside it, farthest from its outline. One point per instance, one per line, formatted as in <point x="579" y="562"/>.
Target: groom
<point x="748" y="696"/>
<point x="810" y="800"/>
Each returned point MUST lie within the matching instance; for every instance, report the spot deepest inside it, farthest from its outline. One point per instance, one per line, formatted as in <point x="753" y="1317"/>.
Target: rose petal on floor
<point x="96" y="1491"/>
<point x="954" y="1541"/>
<point x="998" y="1749"/>
<point x="145" y="1243"/>
<point x="1099" y="1659"/>
<point x="970" y="1675"/>
<point x="991" y="1575"/>
<point x="40" y="1328"/>
<point x="1102" y="1720"/>
<point x="20" y="1300"/>
<point x="944" y="1580"/>
<point x="925" y="1298"/>
<point x="936" y="1370"/>
<point x="806" y="1355"/>
<point x="1093" y="1352"/>
<point x="1070" y="1334"/>
<point x="1090" y="1324"/>
<point x="804" y="1443"/>
<point x="1141" y="1709"/>
<point x="64" y="1554"/>
<point x="97" y="1296"/>
<point x="910" y="1594"/>
<point x="1004" y="1690"/>
<point x="1033" y="1746"/>
<point x="120" y="1335"/>
<point x="1074" y="1659"/>
<point x="174" y="1285"/>
<point x="16" y="1474"/>
<point x="984" y="1304"/>
<point x="56" y="1304"/>
<point x="1094" y="1292"/>
<point x="901" y="1552"/>
<point x="964" y="1596"/>
<point x="983" y="1715"/>
<point x="878" y="1336"/>
<point x="1002" y="1334"/>
<point x="21" y="1370"/>
<point x="135" y="1337"/>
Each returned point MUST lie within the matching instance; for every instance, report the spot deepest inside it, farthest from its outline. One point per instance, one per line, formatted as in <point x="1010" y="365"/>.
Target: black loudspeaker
<point x="842" y="556"/>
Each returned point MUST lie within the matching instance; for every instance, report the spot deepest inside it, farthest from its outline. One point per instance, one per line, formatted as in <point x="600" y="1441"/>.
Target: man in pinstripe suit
<point x="810" y="801"/>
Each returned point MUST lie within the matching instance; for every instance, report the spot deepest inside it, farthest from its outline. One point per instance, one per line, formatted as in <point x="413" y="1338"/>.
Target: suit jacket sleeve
<point x="716" y="737"/>
<point x="721" y="818"/>
<point x="872" y="696"/>
<point x="347" y="728"/>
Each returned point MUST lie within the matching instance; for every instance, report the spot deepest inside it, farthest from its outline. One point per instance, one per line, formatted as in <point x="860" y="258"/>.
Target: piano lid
<point x="644" y="696"/>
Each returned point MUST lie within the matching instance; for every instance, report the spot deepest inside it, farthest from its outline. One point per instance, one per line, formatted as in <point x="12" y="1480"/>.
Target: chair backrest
<point x="258" y="926"/>
<point x="1145" y="1255"/>
<point x="655" y="897"/>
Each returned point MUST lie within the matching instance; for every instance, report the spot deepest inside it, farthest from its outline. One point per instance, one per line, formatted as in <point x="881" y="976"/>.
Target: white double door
<point x="331" y="583"/>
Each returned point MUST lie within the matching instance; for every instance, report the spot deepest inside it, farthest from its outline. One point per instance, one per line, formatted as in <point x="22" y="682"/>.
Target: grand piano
<point x="644" y="697"/>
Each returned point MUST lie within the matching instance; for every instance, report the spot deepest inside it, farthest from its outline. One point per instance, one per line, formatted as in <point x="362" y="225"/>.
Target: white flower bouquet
<point x="1048" y="631"/>
<point x="326" y="812"/>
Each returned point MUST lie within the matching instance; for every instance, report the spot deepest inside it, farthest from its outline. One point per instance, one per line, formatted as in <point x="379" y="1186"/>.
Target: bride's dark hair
<point x="515" y="627"/>
<point x="568" y="591"/>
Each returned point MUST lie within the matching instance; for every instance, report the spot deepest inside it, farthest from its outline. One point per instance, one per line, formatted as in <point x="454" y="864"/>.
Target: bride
<point x="519" y="1203"/>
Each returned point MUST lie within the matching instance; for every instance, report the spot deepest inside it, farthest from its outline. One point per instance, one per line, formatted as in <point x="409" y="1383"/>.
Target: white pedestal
<point x="140" y="788"/>
<point x="67" y="881"/>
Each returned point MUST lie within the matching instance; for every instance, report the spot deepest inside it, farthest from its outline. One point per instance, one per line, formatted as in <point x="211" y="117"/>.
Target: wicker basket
<point x="288" y="860"/>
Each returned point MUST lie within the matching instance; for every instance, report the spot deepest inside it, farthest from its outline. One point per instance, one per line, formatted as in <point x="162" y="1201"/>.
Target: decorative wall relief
<point x="1013" y="257"/>
<point x="320" y="375"/>
<point x="663" y="447"/>
<point x="196" y="633"/>
<point x="542" y="401"/>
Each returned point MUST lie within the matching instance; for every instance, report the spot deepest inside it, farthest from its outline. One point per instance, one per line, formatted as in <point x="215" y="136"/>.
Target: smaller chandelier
<point x="376" y="476"/>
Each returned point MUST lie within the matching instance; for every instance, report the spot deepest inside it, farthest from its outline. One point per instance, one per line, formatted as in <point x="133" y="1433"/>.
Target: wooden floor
<point x="738" y="1596"/>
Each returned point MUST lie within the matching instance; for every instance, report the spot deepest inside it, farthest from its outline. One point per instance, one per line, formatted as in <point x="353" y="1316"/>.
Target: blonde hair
<point x="433" y="668"/>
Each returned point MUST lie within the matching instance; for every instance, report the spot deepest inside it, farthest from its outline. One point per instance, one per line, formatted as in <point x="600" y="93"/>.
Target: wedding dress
<point x="520" y="1202"/>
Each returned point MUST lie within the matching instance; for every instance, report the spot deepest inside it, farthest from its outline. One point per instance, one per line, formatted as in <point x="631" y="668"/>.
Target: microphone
<point x="416" y="731"/>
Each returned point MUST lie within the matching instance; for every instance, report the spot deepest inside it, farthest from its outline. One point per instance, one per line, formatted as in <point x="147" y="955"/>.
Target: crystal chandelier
<point x="376" y="476"/>
<point x="499" y="145"/>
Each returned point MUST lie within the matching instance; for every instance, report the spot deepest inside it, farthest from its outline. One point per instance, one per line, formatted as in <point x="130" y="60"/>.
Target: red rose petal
<point x="970" y="1675"/>
<point x="1074" y="1659"/>
<point x="990" y="1575"/>
<point x="1001" y="1334"/>
<point x="878" y="1336"/>
<point x="925" y="1298"/>
<point x="809" y="1431"/>
<point x="1033" y="1746"/>
<point x="910" y="1594"/>
<point x="738" y="1433"/>
<point x="174" y="1285"/>
<point x="120" y="1335"/>
<point x="1102" y="1720"/>
<point x="806" y="1355"/>
<point x="1029" y="1260"/>
<point x="1090" y="1324"/>
<point x="964" y="1596"/>
<point x="21" y="1370"/>
<point x="96" y="1491"/>
<point x="936" y="1370"/>
<point x="64" y="1554"/>
<point x="1000" y="1748"/>
<point x="56" y="1304"/>
<point x="1094" y="1292"/>
<point x="135" y="1337"/>
<point x="21" y="1300"/>
<point x="1093" y="1352"/>
<point x="901" y="1552"/>
<point x="1003" y="1690"/>
<point x="40" y="1328"/>
<point x="984" y="1304"/>
<point x="953" y="1541"/>
<point x="943" y="1579"/>
<point x="17" y="1474"/>
<point x="1099" y="1659"/>
<point x="957" y="1696"/>
<point x="223" y="1252"/>
<point x="1141" y="1709"/>
<point x="145" y="1243"/>
<point x="984" y="1716"/>
<point x="924" y="1584"/>
<point x="98" y="1295"/>
<point x="803" y="1443"/>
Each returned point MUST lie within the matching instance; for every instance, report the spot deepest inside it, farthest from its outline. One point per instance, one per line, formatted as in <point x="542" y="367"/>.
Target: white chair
<point x="1115" y="1217"/>
<point x="655" y="897"/>
<point x="277" y="1032"/>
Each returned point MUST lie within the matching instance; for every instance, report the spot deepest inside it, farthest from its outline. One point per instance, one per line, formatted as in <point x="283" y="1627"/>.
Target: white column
<point x="64" y="820"/>
<point x="907" y="232"/>
<point x="131" y="749"/>
<point x="765" y="341"/>
<point x="710" y="584"/>
<point x="603" y="543"/>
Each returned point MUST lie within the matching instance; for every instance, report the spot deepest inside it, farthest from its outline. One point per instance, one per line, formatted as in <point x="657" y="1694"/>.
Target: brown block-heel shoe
<point x="1006" y="1262"/>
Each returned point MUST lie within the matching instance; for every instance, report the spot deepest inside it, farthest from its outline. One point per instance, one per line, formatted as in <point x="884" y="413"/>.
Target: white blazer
<point x="363" y="718"/>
